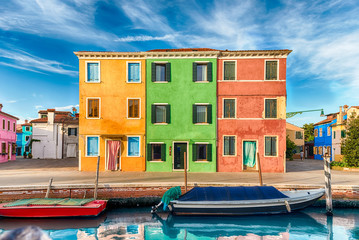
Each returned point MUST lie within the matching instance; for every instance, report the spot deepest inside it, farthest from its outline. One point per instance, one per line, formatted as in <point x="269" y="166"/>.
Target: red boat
<point x="52" y="207"/>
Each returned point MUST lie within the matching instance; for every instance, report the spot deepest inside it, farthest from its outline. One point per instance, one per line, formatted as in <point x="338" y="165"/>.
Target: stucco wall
<point x="181" y="93"/>
<point x="50" y="144"/>
<point x="113" y="123"/>
<point x="8" y="137"/>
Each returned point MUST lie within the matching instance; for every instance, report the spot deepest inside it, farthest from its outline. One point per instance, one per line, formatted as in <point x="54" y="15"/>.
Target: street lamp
<point x="292" y="114"/>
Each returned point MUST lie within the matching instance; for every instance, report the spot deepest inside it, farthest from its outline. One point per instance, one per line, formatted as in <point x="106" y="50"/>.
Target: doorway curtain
<point x="249" y="153"/>
<point x="113" y="147"/>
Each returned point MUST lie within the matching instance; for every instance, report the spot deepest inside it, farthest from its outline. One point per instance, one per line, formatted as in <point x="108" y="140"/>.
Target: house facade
<point x="323" y="137"/>
<point x="23" y="138"/>
<point x="181" y="110"/>
<point x="112" y="110"/>
<point x="251" y="90"/>
<point x="7" y="136"/>
<point x="55" y="134"/>
<point x="296" y="135"/>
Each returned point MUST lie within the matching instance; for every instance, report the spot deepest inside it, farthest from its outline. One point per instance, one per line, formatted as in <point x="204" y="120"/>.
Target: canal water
<point x="312" y="223"/>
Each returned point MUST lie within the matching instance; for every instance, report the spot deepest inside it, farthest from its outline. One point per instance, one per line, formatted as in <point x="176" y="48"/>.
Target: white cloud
<point x="23" y="60"/>
<point x="38" y="107"/>
<point x="69" y="107"/>
<point x="142" y="38"/>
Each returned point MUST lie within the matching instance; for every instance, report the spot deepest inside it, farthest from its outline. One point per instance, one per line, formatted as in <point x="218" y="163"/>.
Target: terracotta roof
<point x="184" y="50"/>
<point x="26" y="124"/>
<point x="293" y="127"/>
<point x="357" y="107"/>
<point x="56" y="112"/>
<point x="58" y="119"/>
<point x="8" y="115"/>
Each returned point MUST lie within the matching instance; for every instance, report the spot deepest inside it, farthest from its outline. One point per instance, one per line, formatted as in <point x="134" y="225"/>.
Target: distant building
<point x="55" y="134"/>
<point x="7" y="136"/>
<point x="296" y="134"/>
<point x="323" y="136"/>
<point x="23" y="138"/>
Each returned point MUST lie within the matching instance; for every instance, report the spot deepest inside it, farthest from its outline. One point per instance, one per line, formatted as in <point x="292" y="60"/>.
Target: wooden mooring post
<point x="328" y="184"/>
<point x="96" y="180"/>
<point x="185" y="172"/>
<point x="48" y="188"/>
<point x="259" y="170"/>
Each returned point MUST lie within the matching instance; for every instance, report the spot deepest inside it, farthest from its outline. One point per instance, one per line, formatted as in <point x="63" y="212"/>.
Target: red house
<point x="251" y="112"/>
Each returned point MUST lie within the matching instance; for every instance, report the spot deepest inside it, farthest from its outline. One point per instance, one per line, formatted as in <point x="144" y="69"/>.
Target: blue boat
<point x="242" y="201"/>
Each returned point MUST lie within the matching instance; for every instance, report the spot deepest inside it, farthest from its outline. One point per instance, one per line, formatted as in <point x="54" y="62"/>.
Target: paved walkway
<point x="30" y="172"/>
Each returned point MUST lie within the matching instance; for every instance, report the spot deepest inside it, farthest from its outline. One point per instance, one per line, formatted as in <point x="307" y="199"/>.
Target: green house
<point x="181" y="111"/>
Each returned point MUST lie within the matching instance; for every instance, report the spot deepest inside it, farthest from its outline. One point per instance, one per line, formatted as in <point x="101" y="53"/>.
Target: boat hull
<point x="252" y="207"/>
<point x="91" y="209"/>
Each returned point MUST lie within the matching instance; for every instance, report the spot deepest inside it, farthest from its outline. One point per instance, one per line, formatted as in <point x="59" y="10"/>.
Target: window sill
<point x="201" y="82"/>
<point x="93" y="82"/>
<point x="160" y="123"/>
<point x="133" y="118"/>
<point x="201" y="124"/>
<point x="202" y="161"/>
<point x="157" y="161"/>
<point x="160" y="82"/>
<point x="229" y="155"/>
<point x="92" y="156"/>
<point x="134" y="82"/>
<point x="133" y="156"/>
<point x="92" y="118"/>
<point x="270" y="156"/>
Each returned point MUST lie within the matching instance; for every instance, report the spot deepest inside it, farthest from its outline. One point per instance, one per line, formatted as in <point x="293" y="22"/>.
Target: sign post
<point x="328" y="184"/>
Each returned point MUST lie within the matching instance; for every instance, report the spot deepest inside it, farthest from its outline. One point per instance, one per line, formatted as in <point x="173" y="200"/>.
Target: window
<point x="72" y="132"/>
<point x="328" y="131"/>
<point x="133" y="146"/>
<point x="8" y="125"/>
<point x="329" y="150"/>
<point x="229" y="69"/>
<point x="27" y="138"/>
<point x="13" y="127"/>
<point x="27" y="149"/>
<point x="334" y="134"/>
<point x="156" y="152"/>
<point x="270" y="108"/>
<point x="315" y="150"/>
<point x="43" y="116"/>
<point x="161" y="72"/>
<point x="315" y="132"/>
<point x="271" y="70"/>
<point x="93" y="72"/>
<point x="13" y="148"/>
<point x="93" y="107"/>
<point x="160" y="113"/>
<point x="320" y="150"/>
<point x="343" y="134"/>
<point x="3" y="124"/>
<point x="320" y="132"/>
<point x="270" y="146"/>
<point x="27" y="129"/>
<point x="133" y="73"/>
<point x="298" y="135"/>
<point x="229" y="146"/>
<point x="133" y="108"/>
<point x="202" y="113"/>
<point x="202" y="72"/>
<point x="92" y="146"/>
<point x="229" y="108"/>
<point x="3" y="147"/>
<point x="202" y="152"/>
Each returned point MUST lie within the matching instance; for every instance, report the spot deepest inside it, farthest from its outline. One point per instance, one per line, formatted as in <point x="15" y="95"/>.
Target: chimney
<point x="345" y="108"/>
<point x="26" y="121"/>
<point x="340" y="116"/>
<point x="1" y="106"/>
<point x="50" y="116"/>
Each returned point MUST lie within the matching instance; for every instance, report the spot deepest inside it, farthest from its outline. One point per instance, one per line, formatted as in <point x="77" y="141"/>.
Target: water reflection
<point x="140" y="224"/>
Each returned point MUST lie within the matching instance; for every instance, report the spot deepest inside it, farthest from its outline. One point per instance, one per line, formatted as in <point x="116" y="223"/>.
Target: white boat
<point x="242" y="201"/>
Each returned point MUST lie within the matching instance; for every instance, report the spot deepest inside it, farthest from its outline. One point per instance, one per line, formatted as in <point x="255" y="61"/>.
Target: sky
<point x="38" y="69"/>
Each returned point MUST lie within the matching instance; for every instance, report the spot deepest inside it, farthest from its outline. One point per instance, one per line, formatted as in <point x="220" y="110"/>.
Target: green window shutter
<point x="209" y="113"/>
<point x="209" y="72"/>
<point x="194" y="77"/>
<point x="194" y="116"/>
<point x="168" y="113"/>
<point x="267" y="146"/>
<point x="75" y="131"/>
<point x="267" y="70"/>
<point x="209" y="152"/>
<point x="149" y="152"/>
<point x="274" y="146"/>
<point x="163" y="152"/>
<point x="267" y="108"/>
<point x="153" y="72"/>
<point x="194" y="152"/>
<point x="153" y="113"/>
<point x="274" y="108"/>
<point x="168" y="72"/>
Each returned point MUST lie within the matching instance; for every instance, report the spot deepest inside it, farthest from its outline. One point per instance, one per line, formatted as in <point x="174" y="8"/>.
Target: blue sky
<point x="37" y="39"/>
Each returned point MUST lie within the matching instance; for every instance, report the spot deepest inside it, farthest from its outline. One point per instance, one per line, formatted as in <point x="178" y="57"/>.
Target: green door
<point x="179" y="150"/>
<point x="249" y="153"/>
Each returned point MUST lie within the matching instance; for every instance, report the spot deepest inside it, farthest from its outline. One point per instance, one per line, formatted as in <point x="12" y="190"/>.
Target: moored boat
<point x="242" y="201"/>
<point x="52" y="207"/>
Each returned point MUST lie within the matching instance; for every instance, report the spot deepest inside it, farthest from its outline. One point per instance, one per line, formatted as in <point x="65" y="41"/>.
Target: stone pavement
<point x="24" y="173"/>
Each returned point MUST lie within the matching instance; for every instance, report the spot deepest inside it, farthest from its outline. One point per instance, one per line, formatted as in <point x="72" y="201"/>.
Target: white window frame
<point x="264" y="113"/>
<point x="99" y="107"/>
<point x="27" y="128"/>
<point x="160" y="104"/>
<point x="99" y="71"/>
<point x="139" y="108"/>
<point x="235" y="108"/>
<point x="127" y="64"/>
<point x="163" y="63"/>
<point x="3" y="122"/>
<point x="235" y="146"/>
<point x="264" y="145"/>
<point x="321" y="132"/>
<point x="139" y="147"/>
<point x="328" y="132"/>
<point x="265" y="68"/>
<point x="203" y="104"/>
<point x="235" y="70"/>
<point x="8" y="125"/>
<point x="203" y="63"/>
<point x="97" y="146"/>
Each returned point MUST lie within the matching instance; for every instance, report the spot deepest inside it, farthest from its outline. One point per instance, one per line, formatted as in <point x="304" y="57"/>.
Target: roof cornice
<point x="255" y="54"/>
<point x="182" y="54"/>
<point x="109" y="55"/>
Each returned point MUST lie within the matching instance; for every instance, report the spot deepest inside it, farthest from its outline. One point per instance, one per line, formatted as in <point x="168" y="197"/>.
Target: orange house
<point x="112" y="110"/>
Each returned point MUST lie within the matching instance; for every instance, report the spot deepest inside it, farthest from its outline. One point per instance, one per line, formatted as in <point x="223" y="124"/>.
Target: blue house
<point x="323" y="136"/>
<point x="23" y="138"/>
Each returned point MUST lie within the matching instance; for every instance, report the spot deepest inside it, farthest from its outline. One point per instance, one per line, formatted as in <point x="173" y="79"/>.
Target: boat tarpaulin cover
<point x="50" y="202"/>
<point x="171" y="194"/>
<point x="231" y="193"/>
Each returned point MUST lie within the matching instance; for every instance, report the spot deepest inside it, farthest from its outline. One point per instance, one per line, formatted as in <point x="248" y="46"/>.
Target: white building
<point x="55" y="134"/>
